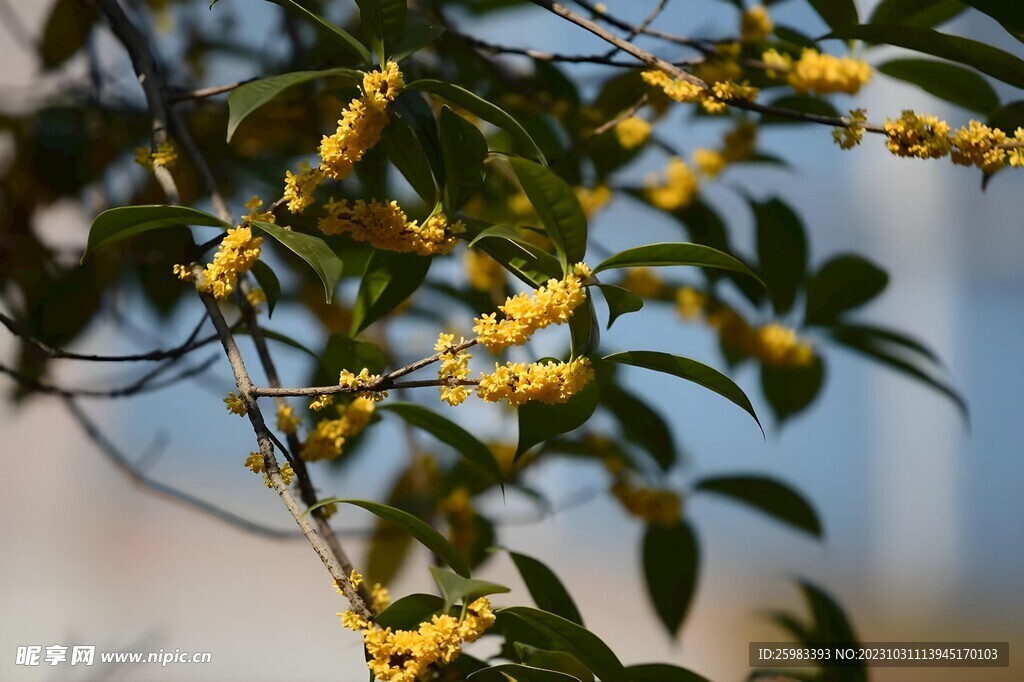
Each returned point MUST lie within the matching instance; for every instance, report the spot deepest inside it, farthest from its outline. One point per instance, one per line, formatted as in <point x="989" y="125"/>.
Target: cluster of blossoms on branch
<point x="328" y="439"/>
<point x="236" y="254"/>
<point x="163" y="156"/>
<point x="385" y="226"/>
<point x="817" y="72"/>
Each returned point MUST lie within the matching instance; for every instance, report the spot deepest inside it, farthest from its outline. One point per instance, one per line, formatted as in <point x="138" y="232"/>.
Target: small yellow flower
<point x="925" y="137"/>
<point x="710" y="162"/>
<point x="818" y="73"/>
<point x="183" y="272"/>
<point x="689" y="303"/>
<point x="287" y="420"/>
<point x="235" y="405"/>
<point x="255" y="214"/>
<point x="385" y="226"/>
<point x="755" y="24"/>
<point x="978" y="145"/>
<point x="525" y="313"/>
<point x="850" y="136"/>
<point x="643" y="282"/>
<point x="353" y="621"/>
<point x="483" y="272"/>
<point x="593" y="200"/>
<point x="380" y="598"/>
<point x="546" y="382"/>
<point x="254" y="462"/>
<point x="321" y="401"/>
<point x="632" y="132"/>
<point x="655" y="506"/>
<point x="287" y="475"/>
<point x="299" y="187"/>
<point x="678" y="189"/>
<point x="779" y="345"/>
<point x="235" y="255"/>
<point x="356" y="579"/>
<point x="454" y="368"/>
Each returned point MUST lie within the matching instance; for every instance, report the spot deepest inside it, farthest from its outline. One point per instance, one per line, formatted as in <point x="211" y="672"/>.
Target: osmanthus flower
<point x="483" y="272"/>
<point x="690" y="303"/>
<point x="714" y="99"/>
<point x="850" y="136"/>
<point x="593" y="200"/>
<point x="254" y="463"/>
<point x="817" y="72"/>
<point x="710" y="162"/>
<point x="385" y="226"/>
<point x="256" y="297"/>
<point x="654" y="505"/>
<point x="644" y="283"/>
<point x="546" y="382"/>
<point x="327" y="440"/>
<point x="632" y="132"/>
<point x="287" y="420"/>
<point x="299" y="187"/>
<point x="922" y="136"/>
<point x="525" y="313"/>
<point x="676" y="191"/>
<point x="235" y="255"/>
<point x="380" y="598"/>
<point x="454" y="367"/>
<point x="235" y="404"/>
<point x="255" y="214"/>
<point x="287" y="475"/>
<point x="779" y="345"/>
<point x="355" y="383"/>
<point x="755" y="24"/>
<point x="976" y="144"/>
<point x="163" y="156"/>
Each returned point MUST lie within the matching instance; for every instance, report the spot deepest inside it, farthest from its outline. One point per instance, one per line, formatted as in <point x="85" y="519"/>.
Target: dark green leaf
<point x="881" y="335"/>
<point x="842" y="283"/>
<point x="344" y="37"/>
<point x="836" y="13"/>
<point x="950" y="82"/>
<point x="116" y="224"/>
<point x="529" y="263"/>
<point x="791" y="35"/>
<point x="671" y="563"/>
<point x="448" y="432"/>
<point x="408" y="612"/>
<point x="983" y="57"/>
<point x="558" y="661"/>
<point x="620" y="301"/>
<point x="344" y="352"/>
<point x="520" y="673"/>
<point x="389" y="279"/>
<point x="250" y="96"/>
<point x="662" y="672"/>
<point x="640" y="423"/>
<point x="311" y="249"/>
<point x="459" y="590"/>
<point x="675" y="253"/>
<point x="782" y="251"/>
<point x="584" y="331"/>
<point x="574" y="639"/>
<point x="557" y="207"/>
<point x="268" y="281"/>
<point x="482" y="108"/>
<point x="464" y="149"/>
<point x="538" y="421"/>
<point x="282" y="339"/>
<point x="772" y="497"/>
<point x="426" y="535"/>
<point x="545" y="588"/>
<point x="418" y="34"/>
<point x="406" y="152"/>
<point x="688" y="369"/>
<point x="66" y="30"/>
<point x="922" y="13"/>
<point x="383" y="22"/>
<point x="1009" y="14"/>
<point x="790" y="390"/>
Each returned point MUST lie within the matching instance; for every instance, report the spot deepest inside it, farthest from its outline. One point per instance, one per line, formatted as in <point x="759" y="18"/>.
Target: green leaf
<point x="574" y="639"/>
<point x="464" y="149"/>
<point x="406" y="151"/>
<point x="922" y="13"/>
<point x="116" y="224"/>
<point x="482" y="108"/>
<point x="557" y="207"/>
<point x="539" y="422"/>
<point x="790" y="390"/>
<point x="584" y="331"/>
<point x="408" y="612"/>
<point x="985" y="58"/>
<point x="559" y="661"/>
<point x="425" y="534"/>
<point x="675" y="253"/>
<point x="529" y="263"/>
<point x="66" y="31"/>
<point x="313" y="250"/>
<point x="782" y="251"/>
<point x="844" y="282"/>
<point x="383" y="22"/>
<point x="774" y="498"/>
<point x="418" y="34"/>
<point x="448" y="432"/>
<point x="389" y="279"/>
<point x="520" y="673"/>
<point x="1009" y="14"/>
<point x="640" y="424"/>
<point x="662" y="672"/>
<point x="671" y="558"/>
<point x="267" y="280"/>
<point x="250" y="96"/>
<point x="620" y="301"/>
<point x="344" y="37"/>
<point x="459" y="590"/>
<point x="881" y="335"/>
<point x="949" y="82"/>
<point x="836" y="13"/>
<point x="546" y="590"/>
<point x="688" y="369"/>
<point x="791" y="35"/>
<point x="830" y="621"/>
<point x="344" y="352"/>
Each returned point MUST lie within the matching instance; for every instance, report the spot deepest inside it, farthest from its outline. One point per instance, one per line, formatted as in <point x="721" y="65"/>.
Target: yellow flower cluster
<point x="925" y="137"/>
<point x="690" y="303"/>
<point x="643" y="282"/>
<point x="755" y="24"/>
<point x="256" y="297"/>
<point x="254" y="463"/>
<point x="380" y="598"/>
<point x="728" y="91"/>
<point x="236" y="254"/>
<point x="164" y="156"/>
<point x="321" y="401"/>
<point x="779" y="345"/>
<point x="737" y="145"/>
<point x="287" y="420"/>
<point x="386" y="226"/>
<point x="299" y="187"/>
<point x="713" y="99"/>
<point x="354" y="383"/>
<point x="653" y="505"/>
<point x="593" y="200"/>
<point x="255" y="214"/>
<point x="632" y="132"/>
<point x="361" y="123"/>
<point x="850" y="136"/>
<point x="977" y="144"/>
<point x="407" y="655"/>
<point x="287" y="475"/>
<point x="525" y="313"/>
<point x="454" y="367"/>
<point x="722" y="65"/>
<point x="483" y="272"/>
<point x="710" y="162"/>
<point x="677" y="190"/>
<point x="328" y="439"/>
<point x="235" y="405"/>
<point x="819" y="73"/>
<point x="546" y="382"/>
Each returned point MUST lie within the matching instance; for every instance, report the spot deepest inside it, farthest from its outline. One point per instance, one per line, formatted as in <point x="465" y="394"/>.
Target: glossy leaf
<point x="985" y="58"/>
<point x="671" y="557"/>
<point x="345" y="38"/>
<point x="406" y="151"/>
<point x="923" y="13"/>
<point x="418" y="34"/>
<point x="584" y="330"/>
<point x="774" y="498"/>
<point x="546" y="589"/>
<point x="559" y="661"/>
<point x="567" y="636"/>
<point x="250" y="96"/>
<point x="482" y="108"/>
<point x="269" y="283"/>
<point x="408" y="612"/>
<point x="389" y="279"/>
<point x="843" y="283"/>
<point x="675" y="253"/>
<point x="343" y="352"/>
<point x="836" y="13"/>
<point x="790" y="390"/>
<point x="620" y="301"/>
<point x="424" y="533"/>
<point x="116" y="224"/>
<point x="539" y="422"/>
<point x="1009" y="14"/>
<point x="949" y="82"/>
<point x="782" y="251"/>
<point x="557" y="207"/>
<point x="448" y="432"/>
<point x="383" y="23"/>
<point x="662" y="672"/>
<point x="641" y="424"/>
<point x="464" y="149"/>
<point x="688" y="369"/>
<point x="459" y="590"/>
<point x="313" y="250"/>
<point x="504" y="672"/>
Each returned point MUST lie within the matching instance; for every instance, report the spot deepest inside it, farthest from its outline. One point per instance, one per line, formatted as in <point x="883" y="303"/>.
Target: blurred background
<point x="924" y="516"/>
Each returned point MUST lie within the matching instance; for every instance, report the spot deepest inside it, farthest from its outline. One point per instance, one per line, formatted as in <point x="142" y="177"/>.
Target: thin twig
<point x="144" y="385"/>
